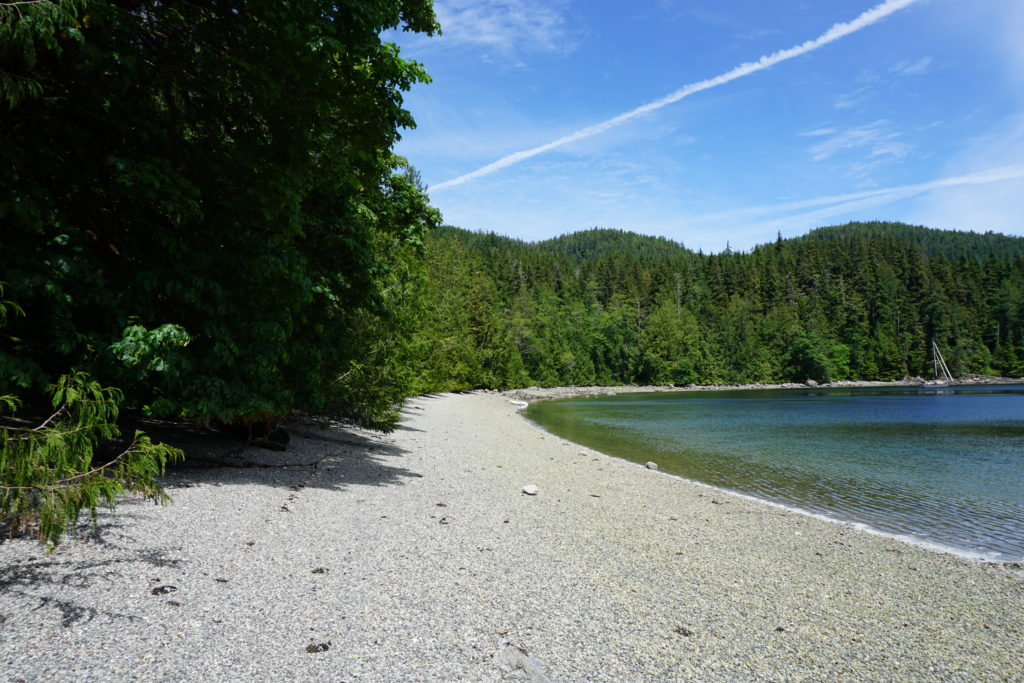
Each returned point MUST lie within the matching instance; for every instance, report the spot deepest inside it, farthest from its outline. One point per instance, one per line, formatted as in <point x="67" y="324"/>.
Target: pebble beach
<point x="416" y="556"/>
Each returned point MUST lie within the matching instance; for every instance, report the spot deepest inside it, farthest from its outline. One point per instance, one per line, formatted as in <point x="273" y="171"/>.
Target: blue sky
<point x="912" y="113"/>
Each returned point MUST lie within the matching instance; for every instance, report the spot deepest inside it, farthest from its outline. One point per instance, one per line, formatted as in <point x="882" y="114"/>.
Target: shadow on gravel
<point x="64" y="584"/>
<point x="335" y="457"/>
<point x="49" y="581"/>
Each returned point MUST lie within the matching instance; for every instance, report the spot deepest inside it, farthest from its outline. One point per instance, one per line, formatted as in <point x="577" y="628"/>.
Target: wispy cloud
<point x="881" y="142"/>
<point x="818" y="132"/>
<point x="991" y="207"/>
<point x="835" y="205"/>
<point x="868" y="81"/>
<point x="912" y="68"/>
<point x="755" y="33"/>
<point x="505" y="26"/>
<point x="837" y="31"/>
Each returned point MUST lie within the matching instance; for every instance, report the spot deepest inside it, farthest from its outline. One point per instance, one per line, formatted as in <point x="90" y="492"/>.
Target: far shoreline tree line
<point x="861" y="301"/>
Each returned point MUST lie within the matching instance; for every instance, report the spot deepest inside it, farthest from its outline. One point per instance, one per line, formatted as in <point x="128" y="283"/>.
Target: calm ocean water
<point x="940" y="466"/>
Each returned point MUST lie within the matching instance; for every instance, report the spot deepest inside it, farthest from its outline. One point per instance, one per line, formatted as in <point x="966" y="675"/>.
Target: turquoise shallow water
<point x="944" y="467"/>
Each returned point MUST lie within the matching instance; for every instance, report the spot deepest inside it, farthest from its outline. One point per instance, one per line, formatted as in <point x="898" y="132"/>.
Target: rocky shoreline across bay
<point x="548" y="393"/>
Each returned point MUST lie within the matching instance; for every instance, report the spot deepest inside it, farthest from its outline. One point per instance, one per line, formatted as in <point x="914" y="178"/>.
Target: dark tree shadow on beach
<point x="49" y="581"/>
<point x="318" y="456"/>
<point x="339" y="456"/>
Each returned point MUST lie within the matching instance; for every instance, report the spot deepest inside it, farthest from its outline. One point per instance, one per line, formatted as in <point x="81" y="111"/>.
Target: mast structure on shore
<point x="941" y="370"/>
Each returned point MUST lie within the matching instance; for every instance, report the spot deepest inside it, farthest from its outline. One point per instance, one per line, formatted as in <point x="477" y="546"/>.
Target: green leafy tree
<point x="220" y="168"/>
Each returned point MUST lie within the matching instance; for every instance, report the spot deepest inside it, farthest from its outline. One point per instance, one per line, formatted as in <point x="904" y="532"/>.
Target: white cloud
<point x="818" y="132"/>
<point x="912" y="68"/>
<point x="849" y="101"/>
<point x="881" y="143"/>
<point x="505" y="26"/>
<point x="868" y="81"/>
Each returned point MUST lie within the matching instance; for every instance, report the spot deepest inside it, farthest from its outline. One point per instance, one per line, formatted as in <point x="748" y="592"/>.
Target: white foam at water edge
<point x="933" y="546"/>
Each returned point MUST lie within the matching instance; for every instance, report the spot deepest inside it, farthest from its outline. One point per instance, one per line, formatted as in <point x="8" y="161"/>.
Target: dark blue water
<point x="944" y="467"/>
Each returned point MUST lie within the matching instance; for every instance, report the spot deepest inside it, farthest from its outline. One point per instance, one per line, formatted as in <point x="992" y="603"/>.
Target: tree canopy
<point x="199" y="198"/>
<point x="201" y="217"/>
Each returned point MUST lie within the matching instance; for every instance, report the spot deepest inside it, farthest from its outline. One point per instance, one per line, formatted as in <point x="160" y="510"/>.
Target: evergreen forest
<point x="202" y="220"/>
<point x="855" y="302"/>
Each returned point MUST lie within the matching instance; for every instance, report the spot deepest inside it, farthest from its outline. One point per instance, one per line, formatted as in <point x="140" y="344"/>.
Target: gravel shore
<point x="415" y="556"/>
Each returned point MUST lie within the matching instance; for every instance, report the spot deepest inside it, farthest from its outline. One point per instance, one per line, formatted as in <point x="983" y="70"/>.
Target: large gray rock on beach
<point x="514" y="660"/>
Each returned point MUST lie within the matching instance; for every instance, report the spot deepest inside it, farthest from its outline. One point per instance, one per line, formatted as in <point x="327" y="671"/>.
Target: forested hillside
<point x="860" y="301"/>
<point x="949" y="243"/>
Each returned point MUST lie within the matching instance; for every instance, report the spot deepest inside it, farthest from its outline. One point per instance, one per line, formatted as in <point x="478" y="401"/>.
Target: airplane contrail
<point x="991" y="175"/>
<point x="838" y="31"/>
<point x="781" y="217"/>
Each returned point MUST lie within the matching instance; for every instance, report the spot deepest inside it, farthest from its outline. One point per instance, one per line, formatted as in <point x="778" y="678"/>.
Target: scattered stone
<point x="320" y="570"/>
<point x="444" y="520"/>
<point x="514" y="659"/>
<point x="221" y="580"/>
<point x="318" y="647"/>
<point x="811" y="383"/>
<point x="173" y="603"/>
<point x="163" y="590"/>
<point x="683" y="631"/>
<point x="531" y="489"/>
<point x="652" y="465"/>
<point x="780" y="629"/>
